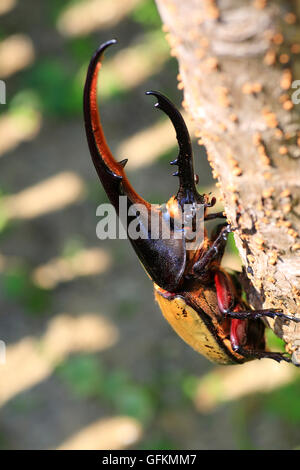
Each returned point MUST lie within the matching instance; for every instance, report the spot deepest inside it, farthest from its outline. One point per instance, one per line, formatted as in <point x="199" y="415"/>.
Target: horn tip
<point x="110" y="42"/>
<point x="104" y="46"/>
<point x="157" y="95"/>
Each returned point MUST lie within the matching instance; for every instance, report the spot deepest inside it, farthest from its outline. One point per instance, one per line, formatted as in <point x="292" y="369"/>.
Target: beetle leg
<point x="215" y="215"/>
<point x="238" y="333"/>
<point x="225" y="296"/>
<point x="216" y="249"/>
<point x="256" y="354"/>
<point x="255" y="314"/>
<point x="238" y="339"/>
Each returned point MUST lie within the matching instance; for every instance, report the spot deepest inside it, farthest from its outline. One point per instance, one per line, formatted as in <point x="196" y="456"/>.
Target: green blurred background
<point x="90" y="362"/>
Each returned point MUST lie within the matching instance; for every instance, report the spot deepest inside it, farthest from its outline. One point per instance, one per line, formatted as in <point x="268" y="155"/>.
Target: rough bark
<point x="237" y="61"/>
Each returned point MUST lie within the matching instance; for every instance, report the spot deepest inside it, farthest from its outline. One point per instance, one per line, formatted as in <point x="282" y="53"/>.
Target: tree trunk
<point x="237" y="61"/>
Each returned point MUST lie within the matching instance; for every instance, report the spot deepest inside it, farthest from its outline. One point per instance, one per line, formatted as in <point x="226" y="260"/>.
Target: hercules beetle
<point x="200" y="300"/>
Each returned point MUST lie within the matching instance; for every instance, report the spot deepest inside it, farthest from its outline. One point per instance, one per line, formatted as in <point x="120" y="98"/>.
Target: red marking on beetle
<point x="223" y="294"/>
<point x="238" y="333"/>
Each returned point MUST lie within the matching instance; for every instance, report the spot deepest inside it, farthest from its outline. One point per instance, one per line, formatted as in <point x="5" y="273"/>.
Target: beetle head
<point x="165" y="260"/>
